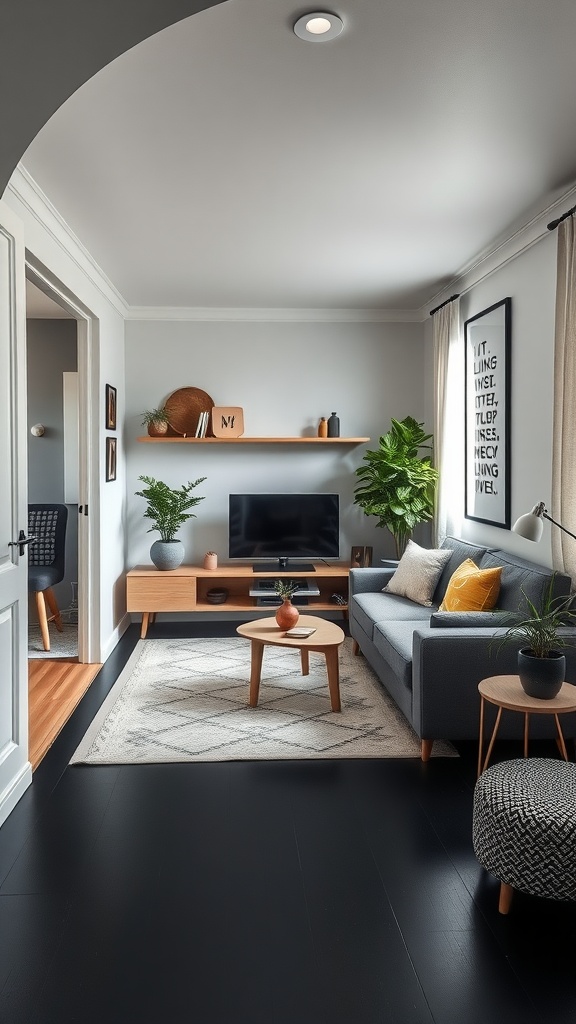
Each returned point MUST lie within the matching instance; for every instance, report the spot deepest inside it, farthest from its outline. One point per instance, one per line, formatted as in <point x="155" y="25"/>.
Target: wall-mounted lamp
<point x="530" y="525"/>
<point x="37" y="430"/>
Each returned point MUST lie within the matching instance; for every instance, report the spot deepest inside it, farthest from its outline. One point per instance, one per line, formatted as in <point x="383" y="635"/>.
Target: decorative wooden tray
<point x="184" y="407"/>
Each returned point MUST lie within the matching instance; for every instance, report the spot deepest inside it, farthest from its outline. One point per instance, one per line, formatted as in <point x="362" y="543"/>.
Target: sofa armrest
<point x="368" y="581"/>
<point x="471" y="620"/>
<point x="447" y="666"/>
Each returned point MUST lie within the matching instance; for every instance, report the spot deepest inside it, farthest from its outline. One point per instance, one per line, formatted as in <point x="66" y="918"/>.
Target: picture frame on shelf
<point x="111" y="455"/>
<point x="110" y="414"/>
<point x="487" y="349"/>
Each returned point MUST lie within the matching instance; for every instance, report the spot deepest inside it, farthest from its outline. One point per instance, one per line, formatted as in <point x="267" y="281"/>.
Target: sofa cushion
<point x="394" y="642"/>
<point x="371" y="608"/>
<point x="418" y="573"/>
<point x="518" y="576"/>
<point x="461" y="550"/>
<point x="472" y="589"/>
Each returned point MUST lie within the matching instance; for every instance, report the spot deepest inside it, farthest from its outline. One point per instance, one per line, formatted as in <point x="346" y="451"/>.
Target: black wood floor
<point x="310" y="892"/>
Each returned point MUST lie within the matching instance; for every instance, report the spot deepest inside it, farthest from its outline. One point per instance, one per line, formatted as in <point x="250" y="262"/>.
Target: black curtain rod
<point x="554" y="223"/>
<point x="442" y="304"/>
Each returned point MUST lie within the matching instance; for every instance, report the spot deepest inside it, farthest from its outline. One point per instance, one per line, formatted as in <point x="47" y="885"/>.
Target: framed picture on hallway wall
<point x="110" y="407"/>
<point x="110" y="458"/>
<point x="487" y="340"/>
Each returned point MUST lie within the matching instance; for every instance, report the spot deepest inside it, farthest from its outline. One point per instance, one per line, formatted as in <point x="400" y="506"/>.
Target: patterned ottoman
<point x="524" y="827"/>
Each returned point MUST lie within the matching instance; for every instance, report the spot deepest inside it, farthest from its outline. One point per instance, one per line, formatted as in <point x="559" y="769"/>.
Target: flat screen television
<point x="283" y="527"/>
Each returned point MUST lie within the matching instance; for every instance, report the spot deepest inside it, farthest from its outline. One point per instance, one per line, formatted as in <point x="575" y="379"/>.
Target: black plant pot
<point x="541" y="677"/>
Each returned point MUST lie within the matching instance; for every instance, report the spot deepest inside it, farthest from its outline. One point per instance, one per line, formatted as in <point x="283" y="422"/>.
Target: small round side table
<point x="506" y="692"/>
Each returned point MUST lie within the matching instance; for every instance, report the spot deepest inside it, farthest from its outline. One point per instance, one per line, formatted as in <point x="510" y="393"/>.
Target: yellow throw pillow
<point x="472" y="589"/>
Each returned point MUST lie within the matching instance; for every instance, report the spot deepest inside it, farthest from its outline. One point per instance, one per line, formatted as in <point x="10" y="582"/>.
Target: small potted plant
<point x="168" y="508"/>
<point x="541" y="663"/>
<point x="287" y="614"/>
<point x="156" y="420"/>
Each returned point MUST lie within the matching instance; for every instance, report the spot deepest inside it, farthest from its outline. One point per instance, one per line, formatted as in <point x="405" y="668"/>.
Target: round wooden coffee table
<point x="326" y="640"/>
<point x="507" y="692"/>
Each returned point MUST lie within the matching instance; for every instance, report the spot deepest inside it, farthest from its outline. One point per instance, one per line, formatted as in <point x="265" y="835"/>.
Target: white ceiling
<point x="226" y="163"/>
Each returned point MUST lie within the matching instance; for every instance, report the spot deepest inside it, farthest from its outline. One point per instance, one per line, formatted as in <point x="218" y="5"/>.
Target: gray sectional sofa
<point x="431" y="662"/>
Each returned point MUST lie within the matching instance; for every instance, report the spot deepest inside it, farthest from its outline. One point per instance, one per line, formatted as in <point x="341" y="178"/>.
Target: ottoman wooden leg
<point x="506" y="893"/>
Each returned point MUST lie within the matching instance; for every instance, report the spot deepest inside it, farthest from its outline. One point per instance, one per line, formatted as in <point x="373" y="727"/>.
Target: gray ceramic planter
<point x="167" y="554"/>
<point x="541" y="677"/>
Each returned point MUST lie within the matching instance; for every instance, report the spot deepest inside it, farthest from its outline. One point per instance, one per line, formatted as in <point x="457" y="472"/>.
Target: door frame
<point x="88" y="339"/>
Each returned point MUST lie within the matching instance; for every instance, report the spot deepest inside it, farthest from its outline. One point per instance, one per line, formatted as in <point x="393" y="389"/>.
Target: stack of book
<point x="202" y="425"/>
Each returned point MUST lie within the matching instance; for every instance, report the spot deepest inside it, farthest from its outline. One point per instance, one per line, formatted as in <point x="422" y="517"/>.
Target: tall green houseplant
<point x="397" y="484"/>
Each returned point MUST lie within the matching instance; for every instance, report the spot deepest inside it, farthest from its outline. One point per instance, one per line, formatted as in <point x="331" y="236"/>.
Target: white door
<point x="15" y="770"/>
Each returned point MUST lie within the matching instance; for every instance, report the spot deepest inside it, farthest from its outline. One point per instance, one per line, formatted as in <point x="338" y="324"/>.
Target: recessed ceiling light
<point x="318" y="26"/>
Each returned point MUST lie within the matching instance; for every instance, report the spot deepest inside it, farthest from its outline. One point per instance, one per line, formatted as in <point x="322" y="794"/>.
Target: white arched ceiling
<point x="223" y="162"/>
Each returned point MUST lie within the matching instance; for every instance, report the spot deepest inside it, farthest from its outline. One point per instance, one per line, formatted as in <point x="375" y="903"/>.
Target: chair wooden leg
<point x="43" y="619"/>
<point x="53" y="606"/>
<point x="506" y="893"/>
<point x="426" y="749"/>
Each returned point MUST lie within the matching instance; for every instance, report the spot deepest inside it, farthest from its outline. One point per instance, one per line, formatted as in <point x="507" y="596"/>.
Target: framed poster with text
<point x="487" y="341"/>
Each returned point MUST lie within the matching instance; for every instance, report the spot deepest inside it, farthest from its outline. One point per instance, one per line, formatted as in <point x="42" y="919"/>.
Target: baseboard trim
<point x="11" y="795"/>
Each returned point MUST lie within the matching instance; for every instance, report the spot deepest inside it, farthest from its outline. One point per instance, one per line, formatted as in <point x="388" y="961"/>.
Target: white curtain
<point x="449" y="420"/>
<point x="564" y="437"/>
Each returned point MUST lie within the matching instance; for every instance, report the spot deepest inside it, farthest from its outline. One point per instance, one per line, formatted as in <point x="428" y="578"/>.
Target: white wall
<point x="285" y="376"/>
<point x="530" y="281"/>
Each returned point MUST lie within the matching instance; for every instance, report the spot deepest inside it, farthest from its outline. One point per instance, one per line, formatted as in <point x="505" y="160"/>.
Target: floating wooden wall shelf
<point x="253" y="440"/>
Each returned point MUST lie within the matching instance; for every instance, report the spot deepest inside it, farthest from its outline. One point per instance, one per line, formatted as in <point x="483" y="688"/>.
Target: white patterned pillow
<point x="418" y="572"/>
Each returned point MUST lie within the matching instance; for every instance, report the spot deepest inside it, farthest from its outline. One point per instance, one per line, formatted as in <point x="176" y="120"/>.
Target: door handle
<point x="21" y="543"/>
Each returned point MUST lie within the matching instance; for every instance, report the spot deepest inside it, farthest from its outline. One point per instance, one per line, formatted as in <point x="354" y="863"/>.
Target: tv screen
<point x="284" y="526"/>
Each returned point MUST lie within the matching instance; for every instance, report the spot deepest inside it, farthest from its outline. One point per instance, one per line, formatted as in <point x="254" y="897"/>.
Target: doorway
<point x="60" y="470"/>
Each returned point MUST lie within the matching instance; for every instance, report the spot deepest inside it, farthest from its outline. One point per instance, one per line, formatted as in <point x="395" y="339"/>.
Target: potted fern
<point x="397" y="484"/>
<point x="168" y="508"/>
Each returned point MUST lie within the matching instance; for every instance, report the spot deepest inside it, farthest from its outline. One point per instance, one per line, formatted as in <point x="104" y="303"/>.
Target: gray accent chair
<point x="431" y="662"/>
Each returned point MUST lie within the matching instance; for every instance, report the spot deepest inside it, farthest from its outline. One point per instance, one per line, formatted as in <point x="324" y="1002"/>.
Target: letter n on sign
<point x="227" y="421"/>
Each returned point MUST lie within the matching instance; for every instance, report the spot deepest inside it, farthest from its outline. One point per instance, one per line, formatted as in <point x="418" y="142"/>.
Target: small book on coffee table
<point x="300" y="632"/>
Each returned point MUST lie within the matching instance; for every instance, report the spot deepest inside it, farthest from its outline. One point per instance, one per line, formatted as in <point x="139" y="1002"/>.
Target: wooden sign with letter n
<point x="227" y="421"/>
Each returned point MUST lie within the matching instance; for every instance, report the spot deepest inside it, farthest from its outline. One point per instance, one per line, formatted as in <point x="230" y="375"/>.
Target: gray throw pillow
<point x="418" y="572"/>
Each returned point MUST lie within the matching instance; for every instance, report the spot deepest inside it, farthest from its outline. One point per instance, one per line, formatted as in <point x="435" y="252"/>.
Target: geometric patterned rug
<point x="187" y="700"/>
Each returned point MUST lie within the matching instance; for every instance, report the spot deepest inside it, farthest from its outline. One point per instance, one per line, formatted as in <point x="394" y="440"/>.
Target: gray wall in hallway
<point x="51" y="350"/>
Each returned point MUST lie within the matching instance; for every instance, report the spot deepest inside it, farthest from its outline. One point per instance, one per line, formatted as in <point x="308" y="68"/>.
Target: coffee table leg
<point x="331" y="655"/>
<point x="257" y="651"/>
<point x="305" y="661"/>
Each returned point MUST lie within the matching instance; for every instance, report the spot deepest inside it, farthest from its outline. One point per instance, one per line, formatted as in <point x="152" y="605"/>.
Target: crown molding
<point x="273" y="315"/>
<point x="503" y="252"/>
<point x="27" y="192"/>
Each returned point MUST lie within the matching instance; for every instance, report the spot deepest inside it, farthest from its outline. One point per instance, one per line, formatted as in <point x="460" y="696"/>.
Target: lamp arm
<point x="559" y="525"/>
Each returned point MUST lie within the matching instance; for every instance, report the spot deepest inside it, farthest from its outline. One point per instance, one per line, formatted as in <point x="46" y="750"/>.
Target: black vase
<point x="541" y="677"/>
<point x="333" y="426"/>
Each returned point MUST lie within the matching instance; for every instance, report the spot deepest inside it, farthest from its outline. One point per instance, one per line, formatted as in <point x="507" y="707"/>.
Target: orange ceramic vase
<point x="287" y="615"/>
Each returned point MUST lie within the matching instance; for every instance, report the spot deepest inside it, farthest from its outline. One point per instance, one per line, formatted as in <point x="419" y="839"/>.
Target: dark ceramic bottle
<point x="333" y="426"/>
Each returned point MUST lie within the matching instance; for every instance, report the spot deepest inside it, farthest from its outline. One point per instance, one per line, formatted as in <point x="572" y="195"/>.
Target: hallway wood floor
<point x="55" y="686"/>
<point x="299" y="892"/>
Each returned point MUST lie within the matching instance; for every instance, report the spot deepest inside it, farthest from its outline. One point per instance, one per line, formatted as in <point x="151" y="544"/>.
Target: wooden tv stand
<point x="149" y="590"/>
